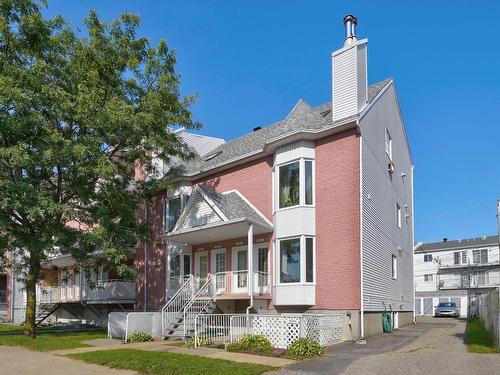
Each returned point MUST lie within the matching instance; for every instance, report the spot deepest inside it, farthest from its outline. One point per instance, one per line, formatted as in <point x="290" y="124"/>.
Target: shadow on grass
<point x="478" y="339"/>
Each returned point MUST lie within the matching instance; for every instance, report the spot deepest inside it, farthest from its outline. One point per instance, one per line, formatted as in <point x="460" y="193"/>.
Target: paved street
<point x="429" y="347"/>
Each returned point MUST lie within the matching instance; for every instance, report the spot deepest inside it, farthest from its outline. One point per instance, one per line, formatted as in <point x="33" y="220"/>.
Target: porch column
<point x="250" y="263"/>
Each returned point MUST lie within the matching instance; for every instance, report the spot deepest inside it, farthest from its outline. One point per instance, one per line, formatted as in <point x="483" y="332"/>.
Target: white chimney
<point x="350" y="77"/>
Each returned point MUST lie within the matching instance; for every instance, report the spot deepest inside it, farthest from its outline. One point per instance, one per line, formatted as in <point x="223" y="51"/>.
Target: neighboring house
<point x="310" y="214"/>
<point x="70" y="294"/>
<point x="455" y="271"/>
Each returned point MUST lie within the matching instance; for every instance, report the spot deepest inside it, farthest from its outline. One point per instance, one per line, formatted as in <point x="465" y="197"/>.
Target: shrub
<point x="140" y="337"/>
<point x="203" y="340"/>
<point x="251" y="343"/>
<point x="306" y="347"/>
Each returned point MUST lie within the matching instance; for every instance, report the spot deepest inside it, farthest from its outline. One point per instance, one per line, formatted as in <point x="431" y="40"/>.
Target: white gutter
<point x="362" y="312"/>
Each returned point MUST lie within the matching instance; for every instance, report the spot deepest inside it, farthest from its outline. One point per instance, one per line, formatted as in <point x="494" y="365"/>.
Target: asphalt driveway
<point x="428" y="347"/>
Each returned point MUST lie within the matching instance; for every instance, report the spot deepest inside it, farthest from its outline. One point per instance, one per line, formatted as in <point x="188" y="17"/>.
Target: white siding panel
<point x="295" y="221"/>
<point x="200" y="214"/>
<point x="381" y="236"/>
<point x="294" y="295"/>
<point x="345" y="102"/>
<point x="294" y="151"/>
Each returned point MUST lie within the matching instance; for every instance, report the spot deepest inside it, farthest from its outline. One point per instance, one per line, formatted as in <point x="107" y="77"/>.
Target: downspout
<point x="250" y="267"/>
<point x="145" y="257"/>
<point x="362" y="312"/>
<point x="412" y="242"/>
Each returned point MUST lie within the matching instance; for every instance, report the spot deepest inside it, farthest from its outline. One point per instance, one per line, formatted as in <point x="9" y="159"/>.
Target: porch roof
<point x="210" y="216"/>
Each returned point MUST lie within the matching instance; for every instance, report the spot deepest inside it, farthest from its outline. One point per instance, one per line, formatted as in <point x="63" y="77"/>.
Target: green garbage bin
<point x="386" y="322"/>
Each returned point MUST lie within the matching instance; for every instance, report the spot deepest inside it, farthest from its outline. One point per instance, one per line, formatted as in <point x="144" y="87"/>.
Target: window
<point x="309" y="182"/>
<point x="428" y="277"/>
<point x="174" y="207"/>
<point x="296" y="260"/>
<point x="428" y="258"/>
<point x="289" y="185"/>
<point x="309" y="261"/>
<point x="295" y="185"/>
<point x="388" y="144"/>
<point x="394" y="267"/>
<point x="460" y="257"/>
<point x="480" y="256"/>
<point x="398" y="215"/>
<point x="175" y="265"/>
<point x="187" y="264"/>
<point x="483" y="278"/>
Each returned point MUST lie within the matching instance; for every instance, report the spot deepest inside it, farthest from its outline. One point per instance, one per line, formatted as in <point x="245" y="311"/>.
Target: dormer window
<point x="388" y="144"/>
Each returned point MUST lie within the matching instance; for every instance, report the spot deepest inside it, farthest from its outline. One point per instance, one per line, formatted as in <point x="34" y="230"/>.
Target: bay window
<point x="295" y="184"/>
<point x="296" y="260"/>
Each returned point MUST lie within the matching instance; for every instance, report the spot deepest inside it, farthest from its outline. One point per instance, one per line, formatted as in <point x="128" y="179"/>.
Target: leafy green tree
<point x="78" y="115"/>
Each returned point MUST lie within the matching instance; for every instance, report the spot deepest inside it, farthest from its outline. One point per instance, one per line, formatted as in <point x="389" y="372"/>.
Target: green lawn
<point x="165" y="363"/>
<point x="52" y="341"/>
<point x="479" y="339"/>
<point x="20" y="328"/>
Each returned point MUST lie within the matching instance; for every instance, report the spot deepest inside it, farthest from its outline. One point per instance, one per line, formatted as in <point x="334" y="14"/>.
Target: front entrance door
<point x="240" y="273"/>
<point x="201" y="267"/>
<point x="219" y="269"/>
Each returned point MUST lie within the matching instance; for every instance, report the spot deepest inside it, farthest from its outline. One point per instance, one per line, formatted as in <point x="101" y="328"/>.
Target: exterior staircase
<point x="44" y="310"/>
<point x="180" y="312"/>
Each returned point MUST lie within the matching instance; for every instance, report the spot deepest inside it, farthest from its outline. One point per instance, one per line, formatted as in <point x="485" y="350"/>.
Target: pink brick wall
<point x="156" y="259"/>
<point x="337" y="222"/>
<point x="253" y="180"/>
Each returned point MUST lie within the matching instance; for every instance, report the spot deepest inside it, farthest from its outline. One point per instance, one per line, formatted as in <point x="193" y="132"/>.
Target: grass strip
<point x="478" y="338"/>
<point x="166" y="363"/>
<point x="52" y="341"/>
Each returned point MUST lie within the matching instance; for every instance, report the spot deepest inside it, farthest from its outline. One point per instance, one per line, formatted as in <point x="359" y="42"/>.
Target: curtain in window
<point x="290" y="261"/>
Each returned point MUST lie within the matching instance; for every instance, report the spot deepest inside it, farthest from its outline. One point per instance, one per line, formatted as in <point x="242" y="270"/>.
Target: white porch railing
<point x="175" y="283"/>
<point x="107" y="291"/>
<point x="236" y="282"/>
<point x="200" y="300"/>
<point x="280" y="330"/>
<point x="176" y="304"/>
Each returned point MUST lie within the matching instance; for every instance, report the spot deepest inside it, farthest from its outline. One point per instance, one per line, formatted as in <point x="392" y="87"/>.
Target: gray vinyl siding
<point x="381" y="235"/>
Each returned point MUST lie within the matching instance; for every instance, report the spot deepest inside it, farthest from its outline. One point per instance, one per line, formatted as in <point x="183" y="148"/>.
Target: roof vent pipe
<point x="350" y="23"/>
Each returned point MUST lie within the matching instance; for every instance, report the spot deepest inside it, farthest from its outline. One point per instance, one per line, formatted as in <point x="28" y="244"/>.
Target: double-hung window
<point x="388" y="144"/>
<point x="428" y="277"/>
<point x="296" y="260"/>
<point x="428" y="258"/>
<point x="173" y="210"/>
<point x="398" y="215"/>
<point x="394" y="267"/>
<point x="480" y="256"/>
<point x="295" y="184"/>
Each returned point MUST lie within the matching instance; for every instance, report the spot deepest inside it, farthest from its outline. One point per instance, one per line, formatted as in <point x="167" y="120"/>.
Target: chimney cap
<point x="351" y="18"/>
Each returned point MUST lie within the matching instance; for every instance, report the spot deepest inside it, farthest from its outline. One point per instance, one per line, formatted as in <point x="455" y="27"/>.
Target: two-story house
<point x="455" y="271"/>
<point x="310" y="214"/>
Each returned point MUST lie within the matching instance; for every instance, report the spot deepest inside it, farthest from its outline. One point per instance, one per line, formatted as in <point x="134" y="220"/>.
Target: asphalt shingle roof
<point x="301" y="117"/>
<point x="458" y="244"/>
<point x="234" y="206"/>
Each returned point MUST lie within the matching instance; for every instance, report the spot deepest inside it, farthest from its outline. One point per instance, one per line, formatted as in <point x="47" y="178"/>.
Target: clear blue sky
<point x="250" y="61"/>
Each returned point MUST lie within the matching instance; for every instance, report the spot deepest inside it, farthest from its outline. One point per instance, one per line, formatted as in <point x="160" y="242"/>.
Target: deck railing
<point x="106" y="291"/>
<point x="236" y="282"/>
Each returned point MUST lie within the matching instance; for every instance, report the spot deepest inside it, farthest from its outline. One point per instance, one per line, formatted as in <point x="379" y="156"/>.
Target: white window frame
<point x="394" y="267"/>
<point x="428" y="277"/>
<point x="303" y="270"/>
<point x="183" y="197"/>
<point x="427" y="256"/>
<point x="302" y="184"/>
<point x="388" y="144"/>
<point x="398" y="215"/>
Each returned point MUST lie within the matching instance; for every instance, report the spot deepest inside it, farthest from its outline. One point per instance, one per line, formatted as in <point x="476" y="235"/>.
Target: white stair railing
<point x="203" y="297"/>
<point x="176" y="304"/>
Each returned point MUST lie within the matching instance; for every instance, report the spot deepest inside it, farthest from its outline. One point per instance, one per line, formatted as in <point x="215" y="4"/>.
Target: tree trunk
<point x="29" y="323"/>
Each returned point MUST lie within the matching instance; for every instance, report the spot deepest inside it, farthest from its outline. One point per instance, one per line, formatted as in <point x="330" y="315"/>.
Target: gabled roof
<point x="301" y="118"/>
<point x="209" y="210"/>
<point x="458" y="244"/>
